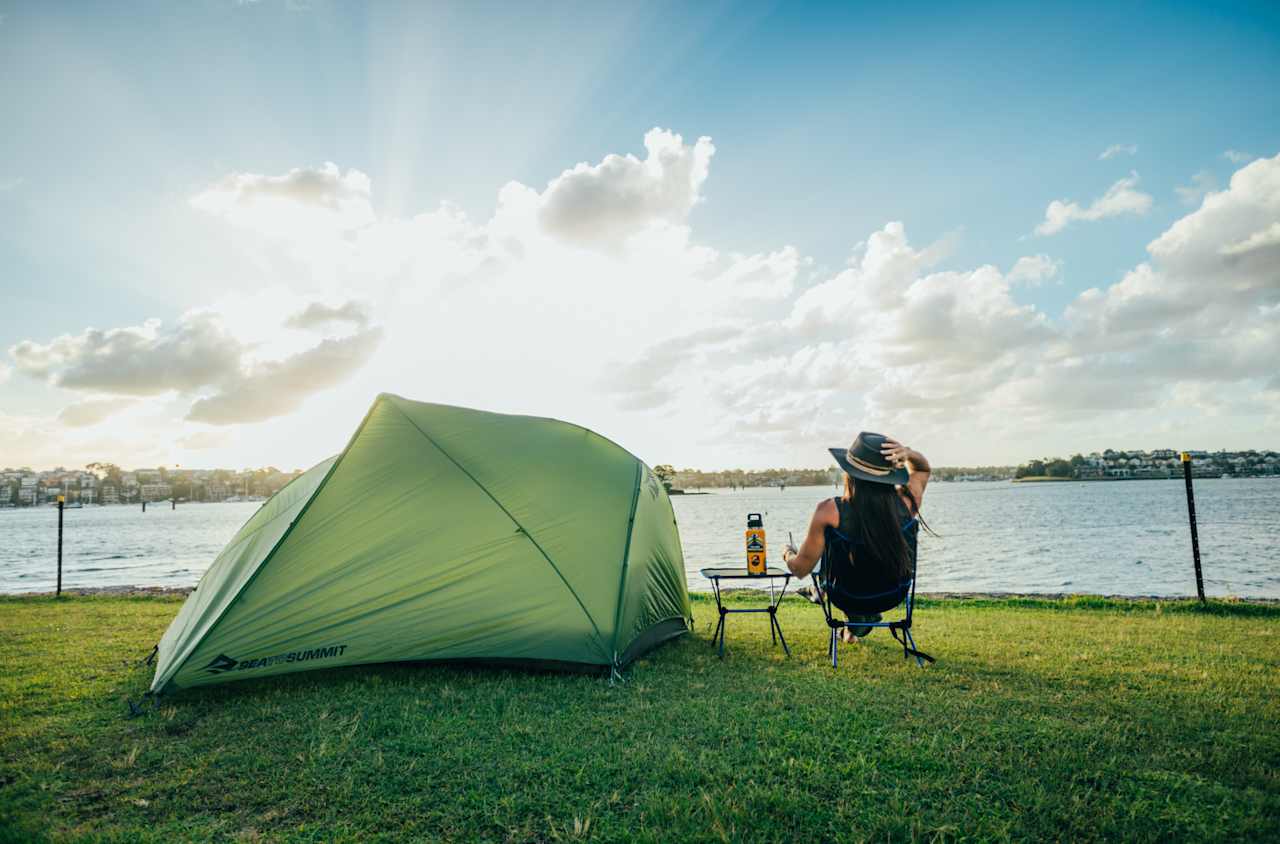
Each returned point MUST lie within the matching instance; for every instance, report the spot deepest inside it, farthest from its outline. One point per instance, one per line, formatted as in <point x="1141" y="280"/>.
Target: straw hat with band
<point x="863" y="460"/>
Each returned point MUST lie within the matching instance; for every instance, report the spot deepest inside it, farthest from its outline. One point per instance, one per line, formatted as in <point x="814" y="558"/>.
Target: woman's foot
<point x="846" y="636"/>
<point x="810" y="593"/>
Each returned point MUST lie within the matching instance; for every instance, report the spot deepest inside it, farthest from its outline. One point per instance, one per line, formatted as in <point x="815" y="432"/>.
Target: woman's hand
<point x="789" y="553"/>
<point x="895" y="452"/>
<point x="918" y="470"/>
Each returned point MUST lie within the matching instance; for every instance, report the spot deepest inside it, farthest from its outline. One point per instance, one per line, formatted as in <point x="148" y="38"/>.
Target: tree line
<point x="675" y="478"/>
<point x="696" y="479"/>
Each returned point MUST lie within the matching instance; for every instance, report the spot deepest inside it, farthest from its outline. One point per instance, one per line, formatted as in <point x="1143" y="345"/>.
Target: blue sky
<point x="828" y="122"/>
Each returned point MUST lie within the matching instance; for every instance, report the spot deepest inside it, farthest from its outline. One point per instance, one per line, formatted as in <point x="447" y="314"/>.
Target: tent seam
<point x="626" y="561"/>
<point x="271" y="554"/>
<point x="507" y="512"/>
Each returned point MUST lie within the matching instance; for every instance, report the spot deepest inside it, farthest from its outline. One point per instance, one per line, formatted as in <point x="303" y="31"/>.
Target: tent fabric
<point x="441" y="533"/>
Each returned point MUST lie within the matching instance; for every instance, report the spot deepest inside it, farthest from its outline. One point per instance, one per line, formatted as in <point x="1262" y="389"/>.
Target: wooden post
<point x="1191" y="514"/>
<point x="61" y="503"/>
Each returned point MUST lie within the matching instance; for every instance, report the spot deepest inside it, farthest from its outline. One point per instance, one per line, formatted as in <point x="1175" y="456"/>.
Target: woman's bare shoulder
<point x="827" y="513"/>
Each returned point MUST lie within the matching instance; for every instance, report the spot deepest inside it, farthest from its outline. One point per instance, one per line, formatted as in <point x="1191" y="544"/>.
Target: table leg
<point x="719" y="631"/>
<point x="723" y="615"/>
<point x="781" y="638"/>
<point x="773" y="615"/>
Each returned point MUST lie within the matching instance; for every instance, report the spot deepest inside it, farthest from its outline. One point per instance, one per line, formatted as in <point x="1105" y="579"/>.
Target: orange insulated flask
<point x="755" y="544"/>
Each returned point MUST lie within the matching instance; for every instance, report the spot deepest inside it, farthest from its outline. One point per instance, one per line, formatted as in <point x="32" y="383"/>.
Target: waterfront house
<point x="156" y="491"/>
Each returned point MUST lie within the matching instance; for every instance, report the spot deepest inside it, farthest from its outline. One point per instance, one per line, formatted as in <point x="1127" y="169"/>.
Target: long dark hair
<point x="877" y="516"/>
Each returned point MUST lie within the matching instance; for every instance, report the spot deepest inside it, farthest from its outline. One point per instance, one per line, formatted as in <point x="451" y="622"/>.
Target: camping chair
<point x="834" y="568"/>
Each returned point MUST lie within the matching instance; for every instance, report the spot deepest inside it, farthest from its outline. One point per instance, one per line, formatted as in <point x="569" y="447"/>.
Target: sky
<point x="721" y="234"/>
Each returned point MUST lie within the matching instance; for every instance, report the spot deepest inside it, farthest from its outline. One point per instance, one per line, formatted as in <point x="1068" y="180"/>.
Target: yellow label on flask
<point x="755" y="551"/>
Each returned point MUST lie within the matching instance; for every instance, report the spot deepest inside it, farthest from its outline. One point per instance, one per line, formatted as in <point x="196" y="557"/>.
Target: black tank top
<point x="841" y="558"/>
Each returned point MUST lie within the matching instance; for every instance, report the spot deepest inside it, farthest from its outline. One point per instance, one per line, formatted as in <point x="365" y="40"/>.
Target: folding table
<point x="715" y="575"/>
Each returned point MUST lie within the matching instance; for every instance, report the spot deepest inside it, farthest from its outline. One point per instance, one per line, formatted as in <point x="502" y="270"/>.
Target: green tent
<point x="441" y="533"/>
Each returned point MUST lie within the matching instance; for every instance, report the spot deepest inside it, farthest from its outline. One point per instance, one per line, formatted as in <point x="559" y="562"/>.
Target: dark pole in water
<point x="144" y="505"/>
<point x="58" y="593"/>
<point x="1191" y="513"/>
<point x="174" y="502"/>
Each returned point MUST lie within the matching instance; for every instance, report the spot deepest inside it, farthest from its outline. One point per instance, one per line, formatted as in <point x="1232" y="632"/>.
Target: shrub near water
<point x="1084" y="718"/>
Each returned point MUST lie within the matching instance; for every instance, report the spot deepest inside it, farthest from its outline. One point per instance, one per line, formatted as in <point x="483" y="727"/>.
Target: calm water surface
<point x="1124" y="538"/>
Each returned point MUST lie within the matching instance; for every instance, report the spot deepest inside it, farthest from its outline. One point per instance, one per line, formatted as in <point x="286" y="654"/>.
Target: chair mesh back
<point x="857" y="590"/>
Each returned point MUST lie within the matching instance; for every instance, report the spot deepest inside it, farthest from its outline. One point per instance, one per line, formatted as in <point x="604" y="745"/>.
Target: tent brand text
<point x="223" y="663"/>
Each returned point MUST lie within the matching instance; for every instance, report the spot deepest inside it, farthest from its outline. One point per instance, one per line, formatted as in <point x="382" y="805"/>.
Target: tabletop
<point x="727" y="572"/>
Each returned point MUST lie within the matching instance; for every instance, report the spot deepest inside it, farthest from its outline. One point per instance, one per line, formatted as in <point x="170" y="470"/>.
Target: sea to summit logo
<point x="223" y="663"/>
<point x="220" y="664"/>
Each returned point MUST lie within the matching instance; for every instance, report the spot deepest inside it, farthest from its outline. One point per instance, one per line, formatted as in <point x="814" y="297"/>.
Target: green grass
<point x="1075" y="719"/>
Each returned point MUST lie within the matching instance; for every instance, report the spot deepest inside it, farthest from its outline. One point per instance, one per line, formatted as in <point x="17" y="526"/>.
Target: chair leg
<point x="835" y="649"/>
<point x="912" y="640"/>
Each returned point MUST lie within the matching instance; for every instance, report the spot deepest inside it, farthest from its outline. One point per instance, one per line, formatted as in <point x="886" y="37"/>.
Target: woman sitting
<point x="883" y="488"/>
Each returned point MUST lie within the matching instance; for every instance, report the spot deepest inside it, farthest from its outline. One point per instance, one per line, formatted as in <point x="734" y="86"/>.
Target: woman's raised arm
<point x="918" y="468"/>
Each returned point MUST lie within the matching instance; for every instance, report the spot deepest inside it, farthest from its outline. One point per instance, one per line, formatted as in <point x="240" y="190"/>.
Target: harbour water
<point x="1120" y="538"/>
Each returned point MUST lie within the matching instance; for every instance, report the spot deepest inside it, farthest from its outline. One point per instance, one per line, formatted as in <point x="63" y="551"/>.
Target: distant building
<point x="156" y="492"/>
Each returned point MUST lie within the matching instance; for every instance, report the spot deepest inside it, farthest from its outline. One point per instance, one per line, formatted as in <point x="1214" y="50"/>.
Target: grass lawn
<point x="1077" y="719"/>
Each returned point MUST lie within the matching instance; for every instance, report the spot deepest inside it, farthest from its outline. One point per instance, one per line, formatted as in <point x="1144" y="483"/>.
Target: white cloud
<point x="1235" y="156"/>
<point x="1118" y="149"/>
<point x="691" y="355"/>
<point x="198" y="357"/>
<point x="89" y="412"/>
<point x="1120" y="198"/>
<point x="319" y="315"/>
<point x="605" y="202"/>
<point x="887" y="330"/>
<point x="276" y="388"/>
<point x="1261" y="239"/>
<point x="890" y="343"/>
<point x="143" y="360"/>
<point x="1033" y="270"/>
<point x="641" y="383"/>
<point x="11" y="184"/>
<point x="1204" y="308"/>
<point x="765" y="276"/>
<point x="1202" y="184"/>
<point x="302" y="203"/>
